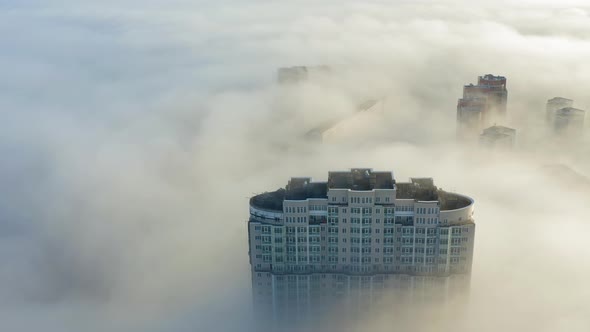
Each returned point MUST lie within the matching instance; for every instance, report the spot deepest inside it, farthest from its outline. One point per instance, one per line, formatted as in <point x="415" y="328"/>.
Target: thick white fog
<point x="132" y="134"/>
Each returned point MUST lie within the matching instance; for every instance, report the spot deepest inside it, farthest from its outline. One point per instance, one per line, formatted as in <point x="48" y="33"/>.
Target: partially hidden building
<point x="563" y="119"/>
<point x="482" y="105"/>
<point x="498" y="137"/>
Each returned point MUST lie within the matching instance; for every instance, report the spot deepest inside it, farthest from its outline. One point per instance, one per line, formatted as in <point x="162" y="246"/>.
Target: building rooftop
<point x="360" y="179"/>
<point x="499" y="131"/>
<point x="569" y="111"/>
<point x="560" y="100"/>
<point x="301" y="188"/>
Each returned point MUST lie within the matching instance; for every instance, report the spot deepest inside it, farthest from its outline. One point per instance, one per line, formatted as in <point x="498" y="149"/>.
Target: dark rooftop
<point x="423" y="189"/>
<point x="303" y="188"/>
<point x="420" y="189"/>
<point x="360" y="179"/>
<point x="269" y="200"/>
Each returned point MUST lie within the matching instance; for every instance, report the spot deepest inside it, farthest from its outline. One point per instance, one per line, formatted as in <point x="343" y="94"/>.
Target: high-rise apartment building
<point x="554" y="104"/>
<point x="482" y="105"/>
<point x="568" y="121"/>
<point x="498" y="137"/>
<point x="563" y="119"/>
<point x="361" y="222"/>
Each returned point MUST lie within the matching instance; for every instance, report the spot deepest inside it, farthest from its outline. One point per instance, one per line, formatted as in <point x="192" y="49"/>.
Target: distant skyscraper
<point x="498" y="137"/>
<point x="568" y="121"/>
<point x="554" y="104"/>
<point x="482" y="104"/>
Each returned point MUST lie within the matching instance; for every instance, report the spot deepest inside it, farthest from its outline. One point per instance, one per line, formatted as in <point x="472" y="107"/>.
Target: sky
<point x="132" y="134"/>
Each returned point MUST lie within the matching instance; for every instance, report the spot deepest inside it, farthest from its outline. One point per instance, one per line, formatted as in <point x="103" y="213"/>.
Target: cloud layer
<point x="132" y="135"/>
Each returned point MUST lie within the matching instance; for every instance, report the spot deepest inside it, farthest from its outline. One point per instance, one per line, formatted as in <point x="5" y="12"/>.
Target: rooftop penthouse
<point x="359" y="180"/>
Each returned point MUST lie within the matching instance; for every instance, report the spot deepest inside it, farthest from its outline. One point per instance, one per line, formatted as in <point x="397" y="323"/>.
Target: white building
<point x="361" y="222"/>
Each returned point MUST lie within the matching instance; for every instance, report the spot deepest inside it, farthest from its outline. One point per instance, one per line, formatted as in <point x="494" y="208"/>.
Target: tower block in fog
<point x="482" y="105"/>
<point x="498" y="137"/>
<point x="299" y="74"/>
<point x="361" y="222"/>
<point x="563" y="119"/>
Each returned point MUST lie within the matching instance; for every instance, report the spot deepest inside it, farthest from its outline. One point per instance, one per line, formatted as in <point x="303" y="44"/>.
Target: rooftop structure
<point x="482" y="104"/>
<point x="361" y="222"/>
<point x="498" y="137"/>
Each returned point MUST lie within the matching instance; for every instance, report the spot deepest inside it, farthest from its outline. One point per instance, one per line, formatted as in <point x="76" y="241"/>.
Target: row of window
<point x="427" y="210"/>
<point x="365" y="221"/>
<point x="429" y="220"/>
<point x="456" y="241"/>
<point x="296" y="219"/>
<point x="314" y="207"/>
<point x="295" y="209"/>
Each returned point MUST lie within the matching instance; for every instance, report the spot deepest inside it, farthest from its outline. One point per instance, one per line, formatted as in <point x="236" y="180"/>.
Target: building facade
<point x="361" y="222"/>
